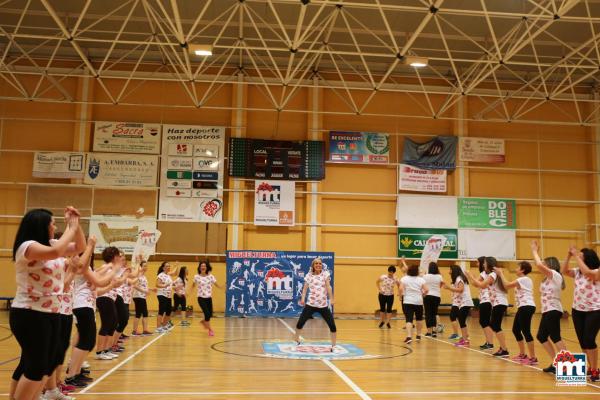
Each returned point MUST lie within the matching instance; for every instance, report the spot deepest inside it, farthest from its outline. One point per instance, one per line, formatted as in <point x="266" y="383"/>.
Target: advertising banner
<point x="487" y="213"/>
<point x="269" y="283"/>
<point x="426" y="211"/>
<point x="121" y="169"/>
<point x="359" y="147"/>
<point x="422" y="180"/>
<point x="58" y="165"/>
<point x="483" y="150"/>
<point x="438" y="153"/>
<point x="431" y="252"/>
<point x="474" y="243"/>
<point x="127" y="137"/>
<point x="191" y="179"/>
<point x="412" y="242"/>
<point x="274" y="203"/>
<point x="145" y="246"/>
<point x="120" y="231"/>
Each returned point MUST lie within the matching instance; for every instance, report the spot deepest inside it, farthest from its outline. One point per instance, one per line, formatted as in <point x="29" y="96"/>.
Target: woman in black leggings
<point x="385" y="285"/>
<point x="431" y="301"/>
<point x="205" y="280"/>
<point x="318" y="283"/>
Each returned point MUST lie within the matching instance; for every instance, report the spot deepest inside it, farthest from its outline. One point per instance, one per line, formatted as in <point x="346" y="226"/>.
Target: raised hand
<point x="535" y="246"/>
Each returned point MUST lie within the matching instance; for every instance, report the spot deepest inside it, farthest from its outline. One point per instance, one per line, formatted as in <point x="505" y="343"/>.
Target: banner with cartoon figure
<point x="269" y="283"/>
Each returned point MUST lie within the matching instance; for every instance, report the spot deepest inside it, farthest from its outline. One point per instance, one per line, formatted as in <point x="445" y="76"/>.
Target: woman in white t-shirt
<point x="413" y="288"/>
<point x="586" y="303"/>
<point x="485" y="305"/>
<point x="34" y="314"/>
<point x="461" y="302"/>
<point x="318" y="283"/>
<point x="525" y="309"/>
<point x="179" y="295"/>
<point x="431" y="301"/>
<point x="385" y="285"/>
<point x="552" y="310"/>
<point x="140" y="292"/>
<point x="205" y="280"/>
<point x="164" y="290"/>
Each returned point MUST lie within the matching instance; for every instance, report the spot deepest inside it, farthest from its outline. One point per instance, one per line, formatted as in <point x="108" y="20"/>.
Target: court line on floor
<point x="335" y="369"/>
<point x="499" y="358"/>
<point x="456" y="393"/>
<point x="119" y="365"/>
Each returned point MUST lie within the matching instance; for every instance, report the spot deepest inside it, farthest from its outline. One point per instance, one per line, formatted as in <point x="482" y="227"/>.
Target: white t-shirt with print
<point x="386" y="284"/>
<point x="143" y="284"/>
<point x="204" y="285"/>
<point x="317" y="289"/>
<point x="126" y="292"/>
<point x="433" y="283"/>
<point x="524" y="292"/>
<point x="413" y="289"/>
<point x="586" y="295"/>
<point x="179" y="287"/>
<point x="66" y="300"/>
<point x="39" y="283"/>
<point x="485" y="293"/>
<point x="84" y="293"/>
<point x="462" y="299"/>
<point x="165" y="279"/>
<point x="498" y="296"/>
<point x="550" y="289"/>
<point x="112" y="293"/>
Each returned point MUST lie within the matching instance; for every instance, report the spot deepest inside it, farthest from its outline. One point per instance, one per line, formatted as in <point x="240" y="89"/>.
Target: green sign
<point x="487" y="213"/>
<point x="179" y="174"/>
<point x="411" y="242"/>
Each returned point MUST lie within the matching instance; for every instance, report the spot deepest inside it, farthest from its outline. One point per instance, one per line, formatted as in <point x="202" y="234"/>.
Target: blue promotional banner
<point x="359" y="147"/>
<point x="269" y="283"/>
<point x="438" y="153"/>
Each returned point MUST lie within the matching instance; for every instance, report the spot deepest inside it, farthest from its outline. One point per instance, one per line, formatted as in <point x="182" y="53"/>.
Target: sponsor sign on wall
<point x="120" y="231"/>
<point x="274" y="203"/>
<point x="359" y="147"/>
<point x="121" y="169"/>
<point x="438" y="153"/>
<point x="191" y="184"/>
<point x="422" y="180"/>
<point x="127" y="137"/>
<point x="269" y="283"/>
<point x="487" y="213"/>
<point x="484" y="150"/>
<point x="412" y="242"/>
<point x="58" y="165"/>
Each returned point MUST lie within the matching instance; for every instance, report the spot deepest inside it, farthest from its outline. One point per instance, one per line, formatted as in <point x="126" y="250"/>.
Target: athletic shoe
<point x="486" y="346"/>
<point x="135" y="334"/>
<point x="530" y="361"/>
<point x="112" y="355"/>
<point x="381" y="324"/>
<point x="211" y="333"/>
<point x="72" y="381"/>
<point x="519" y="358"/>
<point x="595" y="376"/>
<point x="85" y="371"/>
<point x="83" y="378"/>
<point x="463" y="343"/>
<point x="388" y="325"/>
<point x="170" y="323"/>
<point x="434" y="335"/>
<point x="85" y="364"/>
<point x="66" y="388"/>
<point x="56" y="394"/>
<point x="551" y="369"/>
<point x="418" y="337"/>
<point x="501" y="353"/>
<point x="427" y="334"/>
<point x="147" y="333"/>
<point x="160" y="330"/>
<point x="117" y="349"/>
<point x="103" y="356"/>
<point x="408" y="340"/>
<point x="454" y="336"/>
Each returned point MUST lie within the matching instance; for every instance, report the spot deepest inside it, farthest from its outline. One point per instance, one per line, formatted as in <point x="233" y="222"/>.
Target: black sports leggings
<point x="325" y="312"/>
<point x="385" y="303"/>
<point x="122" y="314"/>
<point x="206" y="307"/>
<point x="587" y="324"/>
<point x="431" y="304"/>
<point x="549" y="326"/>
<point x="86" y="327"/>
<point x="66" y="327"/>
<point x="412" y="311"/>
<point x="108" y="316"/>
<point x="461" y="314"/>
<point x="522" y="323"/>
<point x="485" y="314"/>
<point x="497" y="316"/>
<point x="164" y="305"/>
<point x="179" y="302"/>
<point x="141" y="307"/>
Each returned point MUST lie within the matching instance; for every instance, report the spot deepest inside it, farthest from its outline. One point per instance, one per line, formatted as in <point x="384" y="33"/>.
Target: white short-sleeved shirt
<point x="179" y="287"/>
<point x="166" y="291"/>
<point x="204" y="285"/>
<point x="586" y="295"/>
<point x="317" y="289"/>
<point x="498" y="296"/>
<point x="386" y="284"/>
<point x="143" y="284"/>
<point x="84" y="293"/>
<point x="66" y="300"/>
<point x="485" y="293"/>
<point x="413" y="293"/>
<point x="524" y="292"/>
<point x="550" y="289"/>
<point x="126" y="292"/>
<point x="462" y="299"/>
<point x="39" y="282"/>
<point x="112" y="293"/>
<point x="433" y="283"/>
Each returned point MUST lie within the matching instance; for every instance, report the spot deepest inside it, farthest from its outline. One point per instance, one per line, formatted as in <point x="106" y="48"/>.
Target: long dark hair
<point x="208" y="267"/>
<point x="481" y="262"/>
<point x="554" y="264"/>
<point x="492" y="263"/>
<point x="162" y="267"/>
<point x="590" y="258"/>
<point x="182" y="272"/>
<point x="455" y="272"/>
<point x="33" y="226"/>
<point x="433" y="269"/>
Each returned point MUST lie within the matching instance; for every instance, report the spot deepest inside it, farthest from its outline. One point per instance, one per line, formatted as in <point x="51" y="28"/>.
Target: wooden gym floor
<point x="185" y="363"/>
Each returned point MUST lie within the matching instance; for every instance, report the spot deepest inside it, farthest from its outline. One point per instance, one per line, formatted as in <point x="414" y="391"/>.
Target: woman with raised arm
<point x="461" y="301"/>
<point x="140" y="292"/>
<point x="552" y="310"/>
<point x="164" y="290"/>
<point x="385" y="285"/>
<point x="586" y="303"/>
<point x="34" y="319"/>
<point x="412" y="289"/>
<point x="523" y="286"/>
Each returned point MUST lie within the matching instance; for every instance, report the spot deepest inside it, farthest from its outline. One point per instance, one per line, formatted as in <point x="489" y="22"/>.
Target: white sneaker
<point x="113" y="355"/>
<point x="56" y="394"/>
<point x="159" y="329"/>
<point x="103" y="356"/>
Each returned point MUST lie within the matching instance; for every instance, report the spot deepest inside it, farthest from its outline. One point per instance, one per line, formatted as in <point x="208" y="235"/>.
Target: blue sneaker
<point x="454" y="336"/>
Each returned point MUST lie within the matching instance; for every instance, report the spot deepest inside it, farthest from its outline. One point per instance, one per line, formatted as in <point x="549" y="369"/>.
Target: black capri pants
<point x="308" y="312"/>
<point x="108" y="316"/>
<point x="431" y="304"/>
<point x="522" y="323"/>
<point x="485" y="314"/>
<point x="413" y="311"/>
<point x="385" y="303"/>
<point x="141" y="307"/>
<point x="549" y="327"/>
<point x="38" y="335"/>
<point x="206" y="306"/>
<point x="164" y="305"/>
<point x="587" y="324"/>
<point x="86" y="327"/>
<point x="179" y="302"/>
<point x="66" y="327"/>
<point x="454" y="313"/>
<point x="463" y="313"/>
<point x="497" y="316"/>
<point x="122" y="314"/>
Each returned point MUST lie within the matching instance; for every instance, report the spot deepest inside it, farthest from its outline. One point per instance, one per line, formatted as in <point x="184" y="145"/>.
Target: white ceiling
<point x="513" y="55"/>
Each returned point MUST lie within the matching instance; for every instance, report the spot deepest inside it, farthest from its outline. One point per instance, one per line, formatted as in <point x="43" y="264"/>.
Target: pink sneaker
<point x="530" y="361"/>
<point x="211" y="333"/>
<point x="462" y="342"/>
<point x="519" y="358"/>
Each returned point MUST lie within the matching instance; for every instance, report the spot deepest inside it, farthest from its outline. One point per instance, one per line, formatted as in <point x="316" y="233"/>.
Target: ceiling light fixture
<point x="204" y="50"/>
<point x="416" y="62"/>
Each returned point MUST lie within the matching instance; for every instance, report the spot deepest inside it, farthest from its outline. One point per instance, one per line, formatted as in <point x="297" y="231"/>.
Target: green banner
<point x="179" y="174"/>
<point x="487" y="213"/>
<point x="411" y="242"/>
